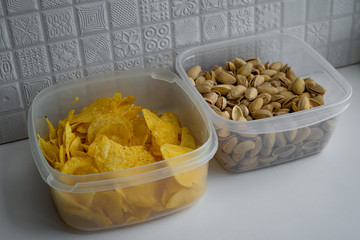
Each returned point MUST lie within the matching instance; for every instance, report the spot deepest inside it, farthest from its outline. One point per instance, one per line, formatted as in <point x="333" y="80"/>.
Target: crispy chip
<point x="83" y="127"/>
<point x="76" y="100"/>
<point x="111" y="202"/>
<point x="68" y="137"/>
<point x="144" y="195"/>
<point x="50" y="151"/>
<point x="183" y="197"/>
<point x="171" y="150"/>
<point x="75" y="145"/>
<point x="79" y="166"/>
<point x="187" y="140"/>
<point x="173" y="119"/>
<point x="119" y="133"/>
<point x="140" y="132"/>
<point x="52" y="130"/>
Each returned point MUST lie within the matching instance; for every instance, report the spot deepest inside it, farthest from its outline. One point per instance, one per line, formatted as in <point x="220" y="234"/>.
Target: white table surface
<point x="313" y="198"/>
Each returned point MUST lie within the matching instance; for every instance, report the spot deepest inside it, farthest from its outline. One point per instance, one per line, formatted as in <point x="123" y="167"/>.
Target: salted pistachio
<point x="217" y="70"/>
<point x="210" y="97"/>
<point x="266" y="97"/>
<point x="232" y="103"/>
<point x="221" y="103"/>
<point x="223" y="133"/>
<point x="277" y="98"/>
<point x="276" y="106"/>
<point x="307" y="94"/>
<point x="289" y="102"/>
<point x="194" y="72"/>
<point x="230" y="66"/>
<point x="294" y="107"/>
<point x="260" y="67"/>
<point x="255" y="105"/>
<point x="255" y="72"/>
<point x="311" y="147"/>
<point x="226" y="78"/>
<point x="223" y="89"/>
<point x="244" y="110"/>
<point x="237" y="92"/>
<point x="237" y="114"/>
<point x="242" y="80"/>
<point x="204" y="87"/>
<point x="226" y="114"/>
<point x="284" y="151"/>
<point x="304" y="103"/>
<point x="248" y="118"/>
<point x="301" y="135"/>
<point x="267" y="89"/>
<point x="207" y="75"/>
<point x="249" y="162"/>
<point x="239" y="62"/>
<point x="267" y="65"/>
<point x="316" y="134"/>
<point x="275" y="83"/>
<point x="284" y="68"/>
<point x="285" y="82"/>
<point x="244" y="146"/>
<point x="237" y="157"/>
<point x="257" y="148"/>
<point x="250" y="77"/>
<point x="254" y="60"/>
<point x="257" y="81"/>
<point x="261" y="113"/>
<point x="216" y="110"/>
<point x="192" y="81"/>
<point x="229" y="144"/>
<point x="278" y="76"/>
<point x="200" y="79"/>
<point x="266" y="77"/>
<point x="280" y="139"/>
<point x="225" y="159"/>
<point x="269" y="72"/>
<point x="314" y="103"/>
<point x="276" y="66"/>
<point x="319" y="99"/>
<point x="245" y="70"/>
<point x="298" y="86"/>
<point x="290" y="135"/>
<point x="251" y="93"/>
<point x="267" y="160"/>
<point x="268" y="107"/>
<point x="290" y="74"/>
<point x="315" y="88"/>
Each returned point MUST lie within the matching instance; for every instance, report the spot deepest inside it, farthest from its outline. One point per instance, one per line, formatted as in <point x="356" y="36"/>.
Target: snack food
<point x="113" y="134"/>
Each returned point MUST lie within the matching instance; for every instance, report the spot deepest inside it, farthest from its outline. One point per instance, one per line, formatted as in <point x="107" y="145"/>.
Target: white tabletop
<point x="313" y="198"/>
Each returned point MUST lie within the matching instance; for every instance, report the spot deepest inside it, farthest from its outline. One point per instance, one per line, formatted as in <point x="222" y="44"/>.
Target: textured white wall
<point x="43" y="42"/>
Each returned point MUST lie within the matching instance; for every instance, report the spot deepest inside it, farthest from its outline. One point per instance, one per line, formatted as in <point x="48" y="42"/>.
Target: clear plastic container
<point x="119" y="198"/>
<point x="277" y="139"/>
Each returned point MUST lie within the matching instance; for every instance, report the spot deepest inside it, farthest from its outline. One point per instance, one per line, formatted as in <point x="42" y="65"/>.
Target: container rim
<point x="126" y="177"/>
<point x="303" y="118"/>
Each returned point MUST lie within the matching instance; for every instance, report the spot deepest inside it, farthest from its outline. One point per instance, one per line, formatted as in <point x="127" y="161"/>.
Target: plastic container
<point x="277" y="139"/>
<point x="119" y="198"/>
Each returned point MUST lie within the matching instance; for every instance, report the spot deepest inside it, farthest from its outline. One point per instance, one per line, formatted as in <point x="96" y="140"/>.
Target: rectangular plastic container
<point x="119" y="198"/>
<point x="265" y="142"/>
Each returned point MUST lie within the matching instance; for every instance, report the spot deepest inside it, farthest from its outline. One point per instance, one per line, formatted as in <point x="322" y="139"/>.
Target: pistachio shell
<point x="225" y="159"/>
<point x="211" y="97"/>
<point x="301" y="135"/>
<point x="255" y="61"/>
<point x="245" y="70"/>
<point x="244" y="146"/>
<point x="221" y="103"/>
<point x="280" y="139"/>
<point x="262" y="113"/>
<point x="284" y="151"/>
<point x="223" y="89"/>
<point x="276" y="106"/>
<point x="226" y="78"/>
<point x="258" y="145"/>
<point x="251" y="93"/>
<point x="276" y="66"/>
<point x="223" y="133"/>
<point x="238" y="62"/>
<point x="266" y="97"/>
<point x="257" y="81"/>
<point x="304" y="103"/>
<point x="229" y="66"/>
<point x="194" y="72"/>
<point x="267" y="89"/>
<point x="256" y="105"/>
<point x="236" y="92"/>
<point x="242" y="80"/>
<point x="298" y="86"/>
<point x="316" y="134"/>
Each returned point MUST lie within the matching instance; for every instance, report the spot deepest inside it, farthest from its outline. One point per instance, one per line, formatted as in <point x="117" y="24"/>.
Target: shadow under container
<point x="265" y="142"/>
<point x="119" y="198"/>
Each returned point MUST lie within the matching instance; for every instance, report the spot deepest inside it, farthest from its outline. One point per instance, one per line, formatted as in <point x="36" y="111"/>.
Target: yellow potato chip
<point x="68" y="137"/>
<point x="50" y="151"/>
<point x="170" y="150"/>
<point x="140" y="132"/>
<point x="111" y="202"/>
<point x="52" y="130"/>
<point x="184" y="197"/>
<point x="173" y="119"/>
<point x="75" y="145"/>
<point x="144" y="195"/>
<point x="70" y="116"/>
<point x="62" y="154"/>
<point x="111" y="156"/>
<point x="119" y="133"/>
<point x="187" y="140"/>
<point x="76" y="100"/>
<point x="83" y="127"/>
<point x="163" y="131"/>
<point x="106" y="119"/>
<point x="140" y="213"/>
<point x="78" y="154"/>
<point x="117" y="97"/>
<point x="133" y="112"/>
<point x="79" y="166"/>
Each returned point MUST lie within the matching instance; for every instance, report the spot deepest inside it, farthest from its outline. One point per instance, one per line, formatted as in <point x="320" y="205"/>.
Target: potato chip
<point x="133" y="112"/>
<point x="83" y="127"/>
<point x="171" y="150"/>
<point x="79" y="166"/>
<point x="106" y="119"/>
<point x="173" y="119"/>
<point x="78" y="154"/>
<point x="140" y="213"/>
<point x="62" y="154"/>
<point x="68" y="137"/>
<point x="144" y="195"/>
<point x="187" y="140"/>
<point x="52" y="130"/>
<point x="163" y="131"/>
<point x="111" y="156"/>
<point x="50" y="151"/>
<point x="119" y="133"/>
<point x="184" y="197"/>
<point x="111" y="202"/>
<point x="140" y="132"/>
<point x="75" y="145"/>
<point x="76" y="100"/>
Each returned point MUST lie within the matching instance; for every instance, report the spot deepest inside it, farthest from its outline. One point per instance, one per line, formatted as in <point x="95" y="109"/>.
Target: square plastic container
<point x="265" y="142"/>
<point x="119" y="198"/>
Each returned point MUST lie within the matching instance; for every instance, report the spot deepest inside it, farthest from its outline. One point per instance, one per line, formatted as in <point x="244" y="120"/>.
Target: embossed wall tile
<point x="186" y="31"/>
<point x="236" y="3"/>
<point x="164" y="60"/>
<point x="7" y="67"/>
<point x="130" y="64"/>
<point x="32" y="61"/>
<point x="54" y="3"/>
<point x="355" y="55"/>
<point x="341" y="29"/>
<point x="297" y="31"/>
<point x="10" y="97"/>
<point x="96" y="49"/>
<point x="64" y="55"/>
<point x="92" y="17"/>
<point x="124" y="13"/>
<point x="212" y="5"/>
<point x="4" y="36"/>
<point x="26" y="30"/>
<point x="181" y="8"/>
<point x="356" y="27"/>
<point x="317" y="33"/>
<point x="339" y="53"/>
<point x="294" y="12"/>
<point x="214" y="26"/>
<point x="99" y="69"/>
<point x="268" y="49"/>
<point x="157" y="37"/>
<point x="127" y="43"/>
<point x="322" y="50"/>
<point x="318" y="9"/>
<point x="152" y="11"/>
<point x="67" y="76"/>
<point x="342" y="7"/>
<point x="20" y="6"/>
<point x="13" y="127"/>
<point x="59" y="23"/>
<point x="1" y="11"/>
<point x="33" y="87"/>
<point x="241" y="21"/>
<point x="267" y="16"/>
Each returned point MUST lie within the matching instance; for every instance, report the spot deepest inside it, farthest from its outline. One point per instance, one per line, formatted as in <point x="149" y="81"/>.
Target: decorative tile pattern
<point x="59" y="23"/>
<point x="12" y="127"/>
<point x="67" y="76"/>
<point x="64" y="55"/>
<point x="32" y="61"/>
<point x="181" y="8"/>
<point x="241" y="21"/>
<point x="127" y="43"/>
<point x="317" y="33"/>
<point x="96" y="49"/>
<point x="339" y="53"/>
<point x="26" y="30"/>
<point x="152" y="11"/>
<point x="267" y="16"/>
<point x="99" y="69"/>
<point x="157" y="37"/>
<point x="1" y="11"/>
<point x="186" y="31"/>
<point x="163" y="60"/>
<point x="92" y="17"/>
<point x="130" y="64"/>
<point x="236" y="3"/>
<point x="322" y="50"/>
<point x="124" y="13"/>
<point x="294" y="12"/>
<point x="7" y="67"/>
<point x="54" y="3"/>
<point x="212" y="5"/>
<point x="32" y="88"/>
<point x="298" y="31"/>
<point x="214" y="26"/>
<point x="4" y="37"/>
<point x="19" y="6"/>
<point x="318" y="9"/>
<point x="342" y="7"/>
<point x="341" y="29"/>
<point x="9" y="97"/>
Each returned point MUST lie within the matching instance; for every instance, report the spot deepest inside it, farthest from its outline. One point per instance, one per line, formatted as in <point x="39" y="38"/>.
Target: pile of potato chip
<point x="114" y="134"/>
